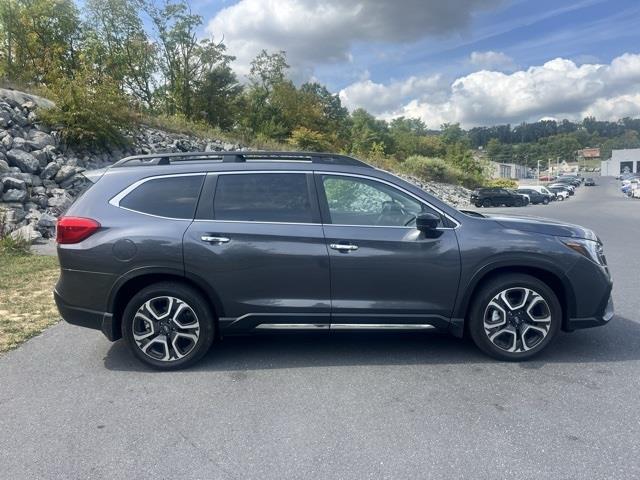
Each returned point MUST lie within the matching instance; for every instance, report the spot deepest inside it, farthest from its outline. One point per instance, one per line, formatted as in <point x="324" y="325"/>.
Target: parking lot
<point x="345" y="405"/>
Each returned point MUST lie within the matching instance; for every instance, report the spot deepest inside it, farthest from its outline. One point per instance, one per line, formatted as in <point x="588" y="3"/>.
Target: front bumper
<point x="84" y="317"/>
<point x="596" y="321"/>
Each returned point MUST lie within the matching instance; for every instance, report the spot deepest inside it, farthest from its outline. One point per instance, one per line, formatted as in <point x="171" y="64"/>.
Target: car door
<point x="384" y="272"/>
<point x="258" y="243"/>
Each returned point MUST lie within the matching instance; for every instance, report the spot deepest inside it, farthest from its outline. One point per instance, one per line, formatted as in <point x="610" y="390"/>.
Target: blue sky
<point x="429" y="57"/>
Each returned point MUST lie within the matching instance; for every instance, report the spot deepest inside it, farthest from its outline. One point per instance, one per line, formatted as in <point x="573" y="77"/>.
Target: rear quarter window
<point x="173" y="197"/>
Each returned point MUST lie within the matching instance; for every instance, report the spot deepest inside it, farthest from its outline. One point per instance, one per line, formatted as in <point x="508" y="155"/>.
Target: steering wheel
<point x="391" y="209"/>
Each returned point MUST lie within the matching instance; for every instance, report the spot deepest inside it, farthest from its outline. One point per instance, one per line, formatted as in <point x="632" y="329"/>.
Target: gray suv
<point x="174" y="251"/>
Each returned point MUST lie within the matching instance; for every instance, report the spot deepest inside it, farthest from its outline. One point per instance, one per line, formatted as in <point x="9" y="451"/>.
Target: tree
<point x="268" y="70"/>
<point x="368" y="133"/>
<point x="119" y="47"/>
<point x="185" y="61"/>
<point x="41" y="39"/>
<point x="218" y="97"/>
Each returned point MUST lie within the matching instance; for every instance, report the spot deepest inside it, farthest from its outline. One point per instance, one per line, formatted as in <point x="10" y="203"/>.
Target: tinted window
<point x="174" y="197"/>
<point x="356" y="201"/>
<point x="263" y="197"/>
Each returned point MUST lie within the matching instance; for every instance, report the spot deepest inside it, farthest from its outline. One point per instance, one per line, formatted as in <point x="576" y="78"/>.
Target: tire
<point x="545" y="201"/>
<point x="561" y="198"/>
<point x="174" y="329"/>
<point x="478" y="204"/>
<point x="486" y="203"/>
<point x="486" y="320"/>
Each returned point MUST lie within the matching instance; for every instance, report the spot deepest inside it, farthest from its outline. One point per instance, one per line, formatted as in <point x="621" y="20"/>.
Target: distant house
<point x="621" y="161"/>
<point x="588" y="154"/>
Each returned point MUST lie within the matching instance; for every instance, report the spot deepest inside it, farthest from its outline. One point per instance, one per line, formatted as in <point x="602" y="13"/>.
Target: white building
<point x="621" y="161"/>
<point x="507" y="170"/>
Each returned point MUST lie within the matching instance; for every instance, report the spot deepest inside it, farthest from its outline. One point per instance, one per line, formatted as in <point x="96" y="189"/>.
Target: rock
<point x="38" y="140"/>
<point x="4" y="167"/>
<point x="7" y="141"/>
<point x="65" y="172"/>
<point x="14" y="195"/>
<point x="13" y="212"/>
<point x="5" y="119"/>
<point x="20" y="119"/>
<point x="47" y="221"/>
<point x="41" y="156"/>
<point x="50" y="171"/>
<point x="20" y="144"/>
<point x="14" y="183"/>
<point x="28" y="232"/>
<point x="23" y="160"/>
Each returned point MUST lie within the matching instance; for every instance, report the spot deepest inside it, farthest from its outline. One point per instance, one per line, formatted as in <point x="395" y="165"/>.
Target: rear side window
<point x="263" y="197"/>
<point x="174" y="197"/>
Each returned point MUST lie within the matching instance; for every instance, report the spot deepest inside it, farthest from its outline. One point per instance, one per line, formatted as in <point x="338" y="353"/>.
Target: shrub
<point x="438" y="170"/>
<point x="306" y="139"/>
<point x="10" y="245"/>
<point x="90" y="112"/>
<point x="501" y="183"/>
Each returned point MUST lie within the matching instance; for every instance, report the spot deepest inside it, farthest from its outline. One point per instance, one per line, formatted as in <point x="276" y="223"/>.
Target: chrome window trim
<point x="115" y="201"/>
<point x="397" y="187"/>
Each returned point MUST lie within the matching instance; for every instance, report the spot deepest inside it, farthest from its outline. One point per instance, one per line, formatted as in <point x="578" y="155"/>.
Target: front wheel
<point x="514" y="317"/>
<point x="168" y="325"/>
<point x="545" y="201"/>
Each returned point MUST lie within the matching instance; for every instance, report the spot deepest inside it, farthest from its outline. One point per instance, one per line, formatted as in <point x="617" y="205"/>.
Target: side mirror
<point x="426" y="222"/>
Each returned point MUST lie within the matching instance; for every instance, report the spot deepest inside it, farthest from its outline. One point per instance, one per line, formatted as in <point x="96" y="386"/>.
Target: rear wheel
<point x="514" y="317"/>
<point x="168" y="325"/>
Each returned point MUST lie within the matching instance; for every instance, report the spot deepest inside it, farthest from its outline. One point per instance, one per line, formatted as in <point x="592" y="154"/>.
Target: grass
<point x="26" y="301"/>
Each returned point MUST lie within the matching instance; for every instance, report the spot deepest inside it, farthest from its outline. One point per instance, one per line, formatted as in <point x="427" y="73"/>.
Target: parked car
<point x="562" y="193"/>
<point x="547" y="178"/>
<point x="527" y="199"/>
<point x="543" y="190"/>
<point x="535" y="196"/>
<point x="571" y="190"/>
<point x="172" y="251"/>
<point x="589" y="182"/>
<point x="496" y="197"/>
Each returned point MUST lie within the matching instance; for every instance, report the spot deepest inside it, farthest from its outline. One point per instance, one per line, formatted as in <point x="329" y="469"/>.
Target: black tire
<point x="486" y="203"/>
<point x="478" y="204"/>
<point x="481" y="306"/>
<point x="545" y="201"/>
<point x="197" y="305"/>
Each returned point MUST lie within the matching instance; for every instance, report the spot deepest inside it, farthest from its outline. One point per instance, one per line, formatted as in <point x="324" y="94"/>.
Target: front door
<point x="385" y="272"/>
<point x="260" y="247"/>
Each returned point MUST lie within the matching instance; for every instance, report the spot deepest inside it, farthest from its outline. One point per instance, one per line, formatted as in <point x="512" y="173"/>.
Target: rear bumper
<point x="84" y="317"/>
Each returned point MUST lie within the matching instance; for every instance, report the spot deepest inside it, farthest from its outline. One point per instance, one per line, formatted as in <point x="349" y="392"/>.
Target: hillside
<point x="40" y="176"/>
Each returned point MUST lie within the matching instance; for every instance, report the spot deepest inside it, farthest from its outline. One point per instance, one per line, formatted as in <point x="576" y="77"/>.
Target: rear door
<point x="384" y="272"/>
<point x="259" y="244"/>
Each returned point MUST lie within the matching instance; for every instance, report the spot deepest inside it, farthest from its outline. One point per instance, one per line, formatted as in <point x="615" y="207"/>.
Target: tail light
<point x="75" y="229"/>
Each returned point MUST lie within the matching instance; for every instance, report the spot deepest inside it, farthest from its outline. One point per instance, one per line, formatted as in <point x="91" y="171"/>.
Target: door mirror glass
<point x="427" y="221"/>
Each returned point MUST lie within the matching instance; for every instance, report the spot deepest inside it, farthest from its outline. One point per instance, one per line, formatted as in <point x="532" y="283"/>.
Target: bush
<point x="90" y="112"/>
<point x="501" y="183"/>
<point x="306" y="139"/>
<point x="9" y="245"/>
<point x="438" y="170"/>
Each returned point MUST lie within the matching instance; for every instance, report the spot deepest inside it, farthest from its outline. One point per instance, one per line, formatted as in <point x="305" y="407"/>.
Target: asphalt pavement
<point x="345" y="406"/>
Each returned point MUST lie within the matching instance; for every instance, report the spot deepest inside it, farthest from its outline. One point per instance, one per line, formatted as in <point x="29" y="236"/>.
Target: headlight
<point x="587" y="248"/>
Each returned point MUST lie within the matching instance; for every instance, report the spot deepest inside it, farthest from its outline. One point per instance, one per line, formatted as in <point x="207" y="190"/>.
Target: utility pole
<point x="538" y="177"/>
<point x="557" y="165"/>
<point x="549" y="167"/>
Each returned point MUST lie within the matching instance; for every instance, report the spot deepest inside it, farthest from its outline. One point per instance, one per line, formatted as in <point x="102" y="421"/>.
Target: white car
<point x="540" y="189"/>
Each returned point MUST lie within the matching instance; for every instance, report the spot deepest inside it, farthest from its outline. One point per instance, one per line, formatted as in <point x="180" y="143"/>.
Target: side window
<point x="358" y="201"/>
<point x="174" y="197"/>
<point x="263" y="197"/>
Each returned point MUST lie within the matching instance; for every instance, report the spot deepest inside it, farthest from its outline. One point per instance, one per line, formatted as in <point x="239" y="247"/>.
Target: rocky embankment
<point x="40" y="177"/>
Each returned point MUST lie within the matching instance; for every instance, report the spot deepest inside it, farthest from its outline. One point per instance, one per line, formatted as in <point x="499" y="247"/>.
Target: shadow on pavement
<point x="616" y="342"/>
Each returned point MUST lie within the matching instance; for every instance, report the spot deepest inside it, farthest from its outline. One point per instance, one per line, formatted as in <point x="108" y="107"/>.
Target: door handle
<point x="216" y="240"/>
<point x="343" y="247"/>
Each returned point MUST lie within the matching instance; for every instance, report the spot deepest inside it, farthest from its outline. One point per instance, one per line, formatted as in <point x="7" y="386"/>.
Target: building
<point x="621" y="161"/>
<point x="507" y="170"/>
<point x="588" y="154"/>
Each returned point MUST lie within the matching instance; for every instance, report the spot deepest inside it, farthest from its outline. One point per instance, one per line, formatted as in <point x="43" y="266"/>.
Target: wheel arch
<point x="545" y="273"/>
<point x="127" y="286"/>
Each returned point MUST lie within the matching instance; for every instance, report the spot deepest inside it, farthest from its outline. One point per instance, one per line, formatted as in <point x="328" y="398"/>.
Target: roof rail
<point x="239" y="157"/>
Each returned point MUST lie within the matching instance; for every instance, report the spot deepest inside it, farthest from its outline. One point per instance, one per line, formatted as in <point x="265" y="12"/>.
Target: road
<point x="345" y="406"/>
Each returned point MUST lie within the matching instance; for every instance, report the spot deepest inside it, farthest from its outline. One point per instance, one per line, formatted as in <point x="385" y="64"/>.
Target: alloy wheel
<point x="517" y="319"/>
<point x="166" y="328"/>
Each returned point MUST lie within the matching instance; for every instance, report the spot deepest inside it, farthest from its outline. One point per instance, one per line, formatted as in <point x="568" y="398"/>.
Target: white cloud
<point x="559" y="88"/>
<point x="323" y="31"/>
<point x="490" y="59"/>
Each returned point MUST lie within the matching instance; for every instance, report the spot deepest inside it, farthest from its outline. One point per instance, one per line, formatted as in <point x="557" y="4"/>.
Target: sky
<point x="476" y="62"/>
